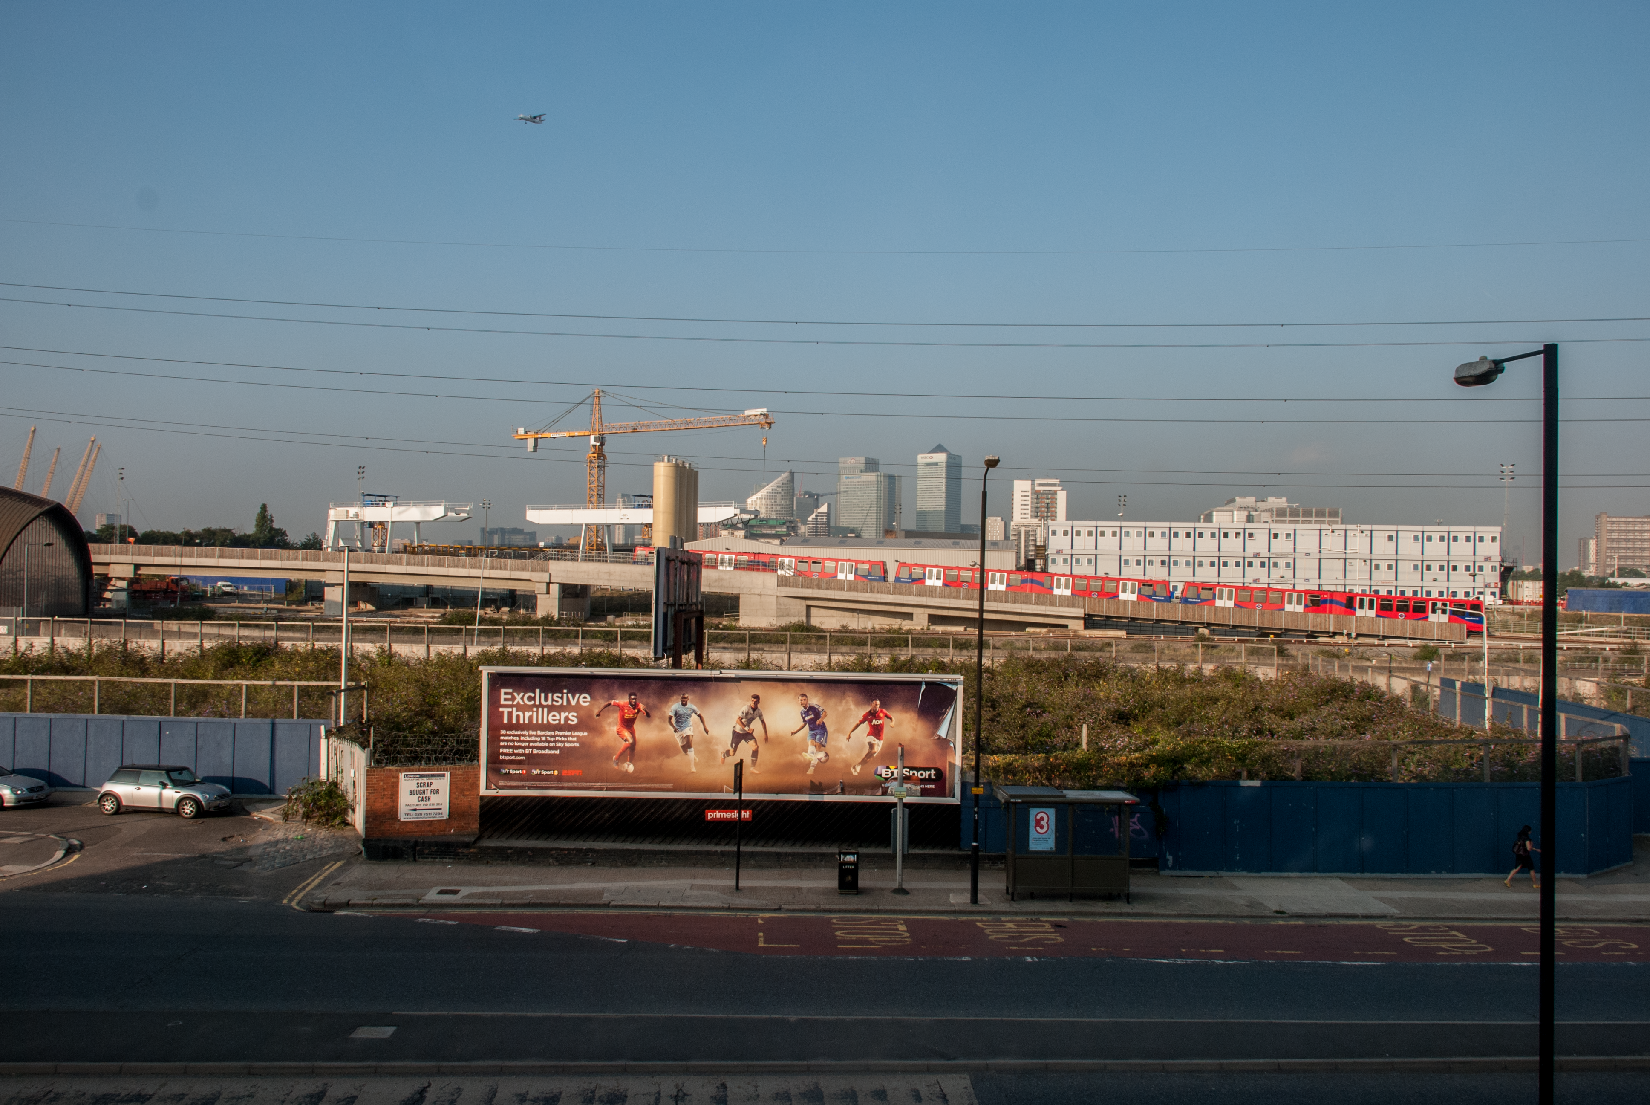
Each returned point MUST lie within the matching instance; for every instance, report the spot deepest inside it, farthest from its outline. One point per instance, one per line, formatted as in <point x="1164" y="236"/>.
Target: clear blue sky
<point x="907" y="163"/>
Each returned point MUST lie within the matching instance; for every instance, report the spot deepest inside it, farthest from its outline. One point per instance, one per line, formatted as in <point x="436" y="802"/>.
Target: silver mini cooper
<point x="161" y="787"/>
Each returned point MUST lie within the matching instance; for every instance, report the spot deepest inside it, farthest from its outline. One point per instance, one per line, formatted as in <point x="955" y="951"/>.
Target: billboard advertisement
<point x="631" y="732"/>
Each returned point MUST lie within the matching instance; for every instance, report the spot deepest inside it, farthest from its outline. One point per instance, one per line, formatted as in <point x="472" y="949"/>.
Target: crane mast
<point x="595" y="493"/>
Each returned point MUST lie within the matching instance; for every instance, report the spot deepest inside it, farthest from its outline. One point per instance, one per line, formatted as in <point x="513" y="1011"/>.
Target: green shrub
<point x="321" y="801"/>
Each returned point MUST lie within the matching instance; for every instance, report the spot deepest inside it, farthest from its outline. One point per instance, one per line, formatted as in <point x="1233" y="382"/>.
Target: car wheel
<point x="109" y="804"/>
<point x="188" y="809"/>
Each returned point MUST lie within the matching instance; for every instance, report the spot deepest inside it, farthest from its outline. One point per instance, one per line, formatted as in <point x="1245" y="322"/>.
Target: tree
<point x="312" y="542"/>
<point x="265" y="534"/>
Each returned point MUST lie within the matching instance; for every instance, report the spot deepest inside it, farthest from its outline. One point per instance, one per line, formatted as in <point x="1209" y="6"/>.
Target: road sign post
<point x="739" y="805"/>
<point x="899" y="824"/>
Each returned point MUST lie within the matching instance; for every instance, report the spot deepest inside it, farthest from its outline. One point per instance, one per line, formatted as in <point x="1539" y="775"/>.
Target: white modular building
<point x="1429" y="561"/>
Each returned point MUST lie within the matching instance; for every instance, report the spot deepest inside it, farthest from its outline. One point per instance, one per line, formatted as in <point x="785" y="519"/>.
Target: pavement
<point x="938" y="883"/>
<point x="67" y="845"/>
<point x="1209" y="1086"/>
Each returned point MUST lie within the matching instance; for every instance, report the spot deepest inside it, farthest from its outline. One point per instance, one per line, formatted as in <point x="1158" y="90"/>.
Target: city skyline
<point x="1024" y="256"/>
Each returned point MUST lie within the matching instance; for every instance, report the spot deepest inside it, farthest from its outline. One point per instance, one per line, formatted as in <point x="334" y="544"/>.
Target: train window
<point x="830" y="565"/>
<point x="1014" y="579"/>
<point x="1081" y="585"/>
<point x="814" y="565"/>
<point x="904" y="572"/>
<point x="1403" y="606"/>
<point x="1273" y="598"/>
<point x="1243" y="596"/>
<point x="1206" y="593"/>
<point x="1386" y="606"/>
<point x="951" y="575"/>
<point x="1109" y="587"/>
<point x="1314" y="600"/>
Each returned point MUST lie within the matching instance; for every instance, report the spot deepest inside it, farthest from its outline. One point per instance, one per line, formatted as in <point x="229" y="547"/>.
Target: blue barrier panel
<point x="250" y="756"/>
<point x="1385" y="828"/>
<point x="253" y="762"/>
<point x="1640" y="806"/>
<point x="1512" y="707"/>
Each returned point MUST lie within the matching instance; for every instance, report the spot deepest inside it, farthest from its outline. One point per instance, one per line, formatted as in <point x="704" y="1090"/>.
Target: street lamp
<point x="979" y="695"/>
<point x="1476" y="374"/>
<point x="486" y="521"/>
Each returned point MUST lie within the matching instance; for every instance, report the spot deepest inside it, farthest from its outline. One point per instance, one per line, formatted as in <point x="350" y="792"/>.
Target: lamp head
<point x="992" y="461"/>
<point x="1477" y="373"/>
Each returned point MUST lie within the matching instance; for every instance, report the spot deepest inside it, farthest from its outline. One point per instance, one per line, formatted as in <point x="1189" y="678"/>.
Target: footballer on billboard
<point x="588" y="731"/>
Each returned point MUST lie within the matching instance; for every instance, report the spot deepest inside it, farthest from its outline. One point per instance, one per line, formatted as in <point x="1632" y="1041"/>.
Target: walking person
<point x="1522" y="849"/>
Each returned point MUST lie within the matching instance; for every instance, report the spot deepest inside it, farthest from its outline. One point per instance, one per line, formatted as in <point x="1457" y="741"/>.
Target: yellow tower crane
<point x="595" y="491"/>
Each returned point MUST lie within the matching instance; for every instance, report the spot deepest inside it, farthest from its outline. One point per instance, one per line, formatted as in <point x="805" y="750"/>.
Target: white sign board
<point x="424" y="795"/>
<point x="1042" y="829"/>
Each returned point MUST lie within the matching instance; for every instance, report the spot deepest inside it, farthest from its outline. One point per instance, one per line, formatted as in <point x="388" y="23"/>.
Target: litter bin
<point x="847" y="871"/>
<point x="1066" y="842"/>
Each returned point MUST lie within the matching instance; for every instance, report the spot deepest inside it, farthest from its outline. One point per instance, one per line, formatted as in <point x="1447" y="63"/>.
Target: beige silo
<point x="675" y="501"/>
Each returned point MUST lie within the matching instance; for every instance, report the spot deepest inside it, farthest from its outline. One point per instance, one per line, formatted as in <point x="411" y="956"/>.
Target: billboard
<point x="834" y="736"/>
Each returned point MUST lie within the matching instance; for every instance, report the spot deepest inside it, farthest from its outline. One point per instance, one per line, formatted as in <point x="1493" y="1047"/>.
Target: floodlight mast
<point x="1476" y="374"/>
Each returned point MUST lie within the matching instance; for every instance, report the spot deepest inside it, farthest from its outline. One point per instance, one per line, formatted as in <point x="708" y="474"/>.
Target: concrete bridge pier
<point x="563" y="600"/>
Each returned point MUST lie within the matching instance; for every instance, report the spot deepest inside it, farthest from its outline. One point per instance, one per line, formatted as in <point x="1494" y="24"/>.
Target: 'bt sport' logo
<point x="912" y="774"/>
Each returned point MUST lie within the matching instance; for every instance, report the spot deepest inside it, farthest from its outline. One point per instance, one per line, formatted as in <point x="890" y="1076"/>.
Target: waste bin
<point x="1066" y="842"/>
<point x="847" y="871"/>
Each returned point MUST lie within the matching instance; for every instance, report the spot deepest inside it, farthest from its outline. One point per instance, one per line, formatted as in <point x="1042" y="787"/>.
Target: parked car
<point x="160" y="787"/>
<point x="21" y="790"/>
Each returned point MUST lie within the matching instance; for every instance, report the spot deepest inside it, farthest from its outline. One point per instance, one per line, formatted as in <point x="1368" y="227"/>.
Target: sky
<point x="1173" y="252"/>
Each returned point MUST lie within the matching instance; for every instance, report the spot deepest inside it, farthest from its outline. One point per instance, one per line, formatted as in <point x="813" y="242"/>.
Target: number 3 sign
<point x="1042" y="829"/>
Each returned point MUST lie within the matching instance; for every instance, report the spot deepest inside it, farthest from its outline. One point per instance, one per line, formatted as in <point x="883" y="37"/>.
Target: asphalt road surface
<point x="127" y="978"/>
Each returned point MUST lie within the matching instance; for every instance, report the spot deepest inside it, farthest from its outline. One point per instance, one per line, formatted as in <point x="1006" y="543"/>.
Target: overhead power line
<point x="996" y="416"/>
<point x="1516" y="244"/>
<point x="726" y="339"/>
<point x="310" y="439"/>
<point x="494" y="313"/>
<point x="858" y="394"/>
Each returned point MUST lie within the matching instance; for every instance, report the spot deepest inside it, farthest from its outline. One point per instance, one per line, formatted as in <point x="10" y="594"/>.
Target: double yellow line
<point x="295" y="899"/>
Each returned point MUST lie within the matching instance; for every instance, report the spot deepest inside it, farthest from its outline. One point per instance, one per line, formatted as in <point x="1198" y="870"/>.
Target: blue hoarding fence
<point x="1601" y="600"/>
<point x="1331" y="828"/>
<point x="1521" y="710"/>
<point x="247" y="755"/>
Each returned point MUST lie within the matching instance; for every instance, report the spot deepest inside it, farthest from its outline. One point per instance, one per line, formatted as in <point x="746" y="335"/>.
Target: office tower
<point x="939" y="491"/>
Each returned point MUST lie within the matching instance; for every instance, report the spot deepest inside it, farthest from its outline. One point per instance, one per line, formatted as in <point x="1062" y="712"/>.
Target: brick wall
<point x="383" y="793"/>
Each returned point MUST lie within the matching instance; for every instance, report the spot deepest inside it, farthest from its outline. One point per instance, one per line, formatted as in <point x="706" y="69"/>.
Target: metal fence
<point x="120" y="694"/>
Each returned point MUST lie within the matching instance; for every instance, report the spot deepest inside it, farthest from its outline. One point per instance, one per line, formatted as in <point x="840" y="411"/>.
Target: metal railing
<point x="98" y="682"/>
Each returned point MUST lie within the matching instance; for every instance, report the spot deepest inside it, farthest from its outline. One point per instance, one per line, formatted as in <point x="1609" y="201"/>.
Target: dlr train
<point x="1291" y="598"/>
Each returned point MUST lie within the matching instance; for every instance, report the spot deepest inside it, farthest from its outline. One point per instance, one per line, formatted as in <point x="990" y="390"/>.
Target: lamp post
<point x="979" y="695"/>
<point x="1476" y="374"/>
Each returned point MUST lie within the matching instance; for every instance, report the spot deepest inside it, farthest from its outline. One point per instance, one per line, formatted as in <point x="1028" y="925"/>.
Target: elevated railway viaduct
<point x="561" y="587"/>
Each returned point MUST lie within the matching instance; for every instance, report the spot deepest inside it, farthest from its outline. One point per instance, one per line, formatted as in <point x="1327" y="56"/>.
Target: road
<point x="171" y="978"/>
<point x="171" y="942"/>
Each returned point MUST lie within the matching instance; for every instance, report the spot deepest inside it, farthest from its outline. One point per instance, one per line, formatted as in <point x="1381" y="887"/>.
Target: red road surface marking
<point x="974" y="937"/>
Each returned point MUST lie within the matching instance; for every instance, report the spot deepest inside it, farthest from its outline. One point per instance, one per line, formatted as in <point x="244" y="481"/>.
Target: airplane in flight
<point x="531" y="118"/>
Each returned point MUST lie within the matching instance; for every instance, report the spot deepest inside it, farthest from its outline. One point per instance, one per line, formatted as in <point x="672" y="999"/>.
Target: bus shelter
<point x="1066" y="842"/>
